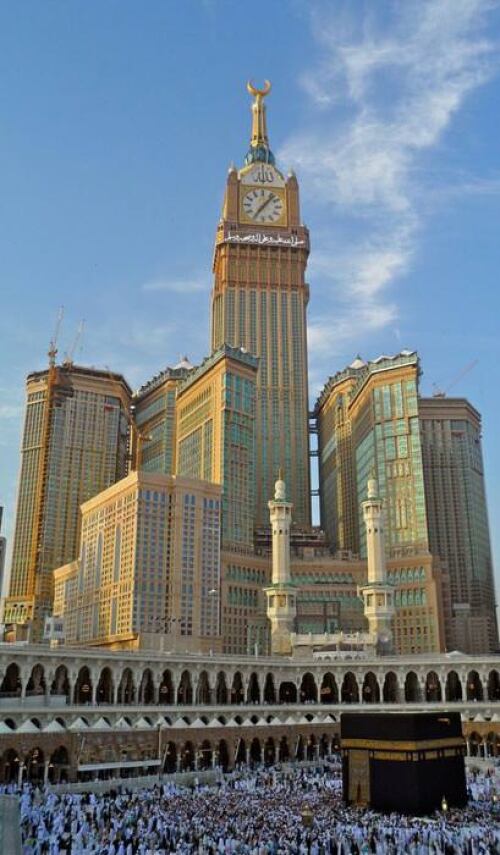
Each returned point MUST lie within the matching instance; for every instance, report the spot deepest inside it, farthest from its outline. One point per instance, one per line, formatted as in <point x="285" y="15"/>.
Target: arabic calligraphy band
<point x="259" y="238"/>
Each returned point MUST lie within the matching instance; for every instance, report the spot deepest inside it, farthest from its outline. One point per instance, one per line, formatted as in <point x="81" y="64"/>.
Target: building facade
<point x="155" y="421"/>
<point x="457" y="517"/>
<point x="259" y="301"/>
<point x="148" y="571"/>
<point x="3" y="555"/>
<point x="215" y="436"/>
<point x="82" y="714"/>
<point x="368" y="423"/>
<point x="75" y="444"/>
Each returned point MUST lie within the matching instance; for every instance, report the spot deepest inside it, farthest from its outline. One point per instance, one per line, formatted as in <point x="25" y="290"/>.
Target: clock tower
<point x="259" y="302"/>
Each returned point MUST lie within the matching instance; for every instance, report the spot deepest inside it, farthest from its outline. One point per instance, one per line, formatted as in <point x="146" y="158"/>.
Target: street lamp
<point x="444" y="805"/>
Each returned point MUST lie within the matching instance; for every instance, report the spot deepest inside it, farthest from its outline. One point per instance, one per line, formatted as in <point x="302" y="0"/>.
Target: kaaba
<point x="404" y="762"/>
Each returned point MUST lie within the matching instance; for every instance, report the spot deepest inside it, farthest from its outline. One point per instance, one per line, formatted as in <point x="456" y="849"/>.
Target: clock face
<point x="262" y="205"/>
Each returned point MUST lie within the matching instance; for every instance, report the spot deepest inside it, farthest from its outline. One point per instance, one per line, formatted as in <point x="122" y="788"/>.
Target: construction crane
<point x="442" y="393"/>
<point x="68" y="356"/>
<point x="39" y="582"/>
<point x="52" y="351"/>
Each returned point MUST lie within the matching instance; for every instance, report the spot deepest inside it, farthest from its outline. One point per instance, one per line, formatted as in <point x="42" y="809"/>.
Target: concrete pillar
<point x="212" y="681"/>
<point x="20" y="774"/>
<point x="247" y="754"/>
<point x="462" y="676"/>
<point x="46" y="772"/>
<point x="484" y="683"/>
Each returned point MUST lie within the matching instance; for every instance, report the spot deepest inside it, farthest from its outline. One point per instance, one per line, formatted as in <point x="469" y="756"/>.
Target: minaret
<point x="281" y="596"/>
<point x="377" y="594"/>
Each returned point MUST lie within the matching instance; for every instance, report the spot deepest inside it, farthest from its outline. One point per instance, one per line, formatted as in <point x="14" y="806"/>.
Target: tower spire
<point x="259" y="150"/>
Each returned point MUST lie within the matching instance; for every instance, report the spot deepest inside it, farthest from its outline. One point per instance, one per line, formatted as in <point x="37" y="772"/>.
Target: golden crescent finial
<point x="262" y="92"/>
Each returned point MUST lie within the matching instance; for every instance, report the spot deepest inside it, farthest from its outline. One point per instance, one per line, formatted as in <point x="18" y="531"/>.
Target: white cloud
<point x="400" y="82"/>
<point x="177" y="286"/>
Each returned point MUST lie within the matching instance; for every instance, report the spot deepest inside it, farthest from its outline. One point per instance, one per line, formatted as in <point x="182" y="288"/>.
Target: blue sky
<point x="118" y="121"/>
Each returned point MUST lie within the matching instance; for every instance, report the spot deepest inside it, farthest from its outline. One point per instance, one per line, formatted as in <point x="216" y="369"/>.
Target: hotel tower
<point x="259" y="302"/>
<point x="75" y="444"/>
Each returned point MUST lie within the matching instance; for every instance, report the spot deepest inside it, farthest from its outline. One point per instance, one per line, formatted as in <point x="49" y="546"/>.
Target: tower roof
<point x="259" y="151"/>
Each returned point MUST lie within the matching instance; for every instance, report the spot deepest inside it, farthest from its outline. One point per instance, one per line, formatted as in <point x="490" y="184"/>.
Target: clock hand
<point x="259" y="210"/>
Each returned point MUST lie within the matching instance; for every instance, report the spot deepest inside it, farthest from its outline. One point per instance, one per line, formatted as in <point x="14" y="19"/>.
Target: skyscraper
<point x="215" y="435"/>
<point x="148" y="566"/>
<point x="457" y="518"/>
<point x="154" y="419"/>
<point x="259" y="302"/>
<point x="75" y="443"/>
<point x="368" y="426"/>
<point x="3" y="551"/>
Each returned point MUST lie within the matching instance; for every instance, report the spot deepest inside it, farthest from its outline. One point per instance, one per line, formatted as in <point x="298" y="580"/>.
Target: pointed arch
<point x="329" y="691"/>
<point x="433" y="690"/>
<point x="170" y="761"/>
<point x="269" y="689"/>
<point x="453" y="687"/>
<point x="269" y="752"/>
<point x="371" y="689"/>
<point x="223" y="755"/>
<point x="83" y="687"/>
<point x="288" y="693"/>
<point x="493" y="686"/>
<point x="412" y="688"/>
<point x="221" y="693"/>
<point x="253" y="691"/>
<point x="237" y="690"/>
<point x="283" y="750"/>
<point x="126" y="688"/>
<point x="36" y="684"/>
<point x="474" y="687"/>
<point x="350" y="689"/>
<point x="60" y="683"/>
<point x="255" y="751"/>
<point x="308" y="692"/>
<point x="390" y="691"/>
<point x="203" y="693"/>
<point x="185" y="690"/>
<point x="11" y="683"/>
<point x="147" y="688"/>
<point x="166" y="689"/>
<point x="104" y="694"/>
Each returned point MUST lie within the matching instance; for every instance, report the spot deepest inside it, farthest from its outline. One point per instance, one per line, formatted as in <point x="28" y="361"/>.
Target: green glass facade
<point x="218" y="400"/>
<point x="368" y="424"/>
<point x="392" y="449"/>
